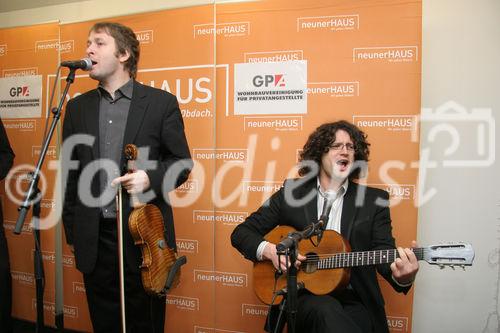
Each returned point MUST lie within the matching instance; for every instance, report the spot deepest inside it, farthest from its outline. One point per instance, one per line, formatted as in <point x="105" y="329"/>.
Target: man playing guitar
<point x="333" y="156"/>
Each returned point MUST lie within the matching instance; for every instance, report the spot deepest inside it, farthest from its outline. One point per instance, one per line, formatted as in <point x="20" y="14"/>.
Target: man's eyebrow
<point x="96" y="39"/>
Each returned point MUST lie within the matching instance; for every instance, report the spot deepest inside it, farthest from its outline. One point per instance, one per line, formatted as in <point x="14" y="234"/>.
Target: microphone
<point x="327" y="207"/>
<point x="330" y="197"/>
<point x="85" y="64"/>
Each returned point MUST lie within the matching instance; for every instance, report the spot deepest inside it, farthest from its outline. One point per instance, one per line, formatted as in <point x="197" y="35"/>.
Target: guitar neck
<point x="364" y="258"/>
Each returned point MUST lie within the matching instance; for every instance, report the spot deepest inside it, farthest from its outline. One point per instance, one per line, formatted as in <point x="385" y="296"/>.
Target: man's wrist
<point x="260" y="250"/>
<point x="402" y="284"/>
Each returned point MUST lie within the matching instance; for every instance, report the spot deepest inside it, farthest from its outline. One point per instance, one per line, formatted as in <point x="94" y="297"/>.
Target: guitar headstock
<point x="449" y="254"/>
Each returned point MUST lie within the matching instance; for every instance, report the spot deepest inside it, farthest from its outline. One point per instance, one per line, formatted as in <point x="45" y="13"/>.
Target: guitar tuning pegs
<point x="452" y="267"/>
<point x="441" y="266"/>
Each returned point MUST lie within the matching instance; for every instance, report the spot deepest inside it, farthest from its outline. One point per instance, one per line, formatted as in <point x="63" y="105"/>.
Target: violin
<point x="160" y="267"/>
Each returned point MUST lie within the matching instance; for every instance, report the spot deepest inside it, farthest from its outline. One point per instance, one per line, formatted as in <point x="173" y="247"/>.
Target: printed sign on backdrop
<point x="270" y="88"/>
<point x="21" y="96"/>
<point x="281" y="73"/>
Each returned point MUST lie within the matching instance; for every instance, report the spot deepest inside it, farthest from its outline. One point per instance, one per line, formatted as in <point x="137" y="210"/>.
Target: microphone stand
<point x="33" y="197"/>
<point x="289" y="247"/>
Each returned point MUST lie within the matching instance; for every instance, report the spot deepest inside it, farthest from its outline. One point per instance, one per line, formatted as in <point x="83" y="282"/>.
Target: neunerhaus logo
<point x="20" y="72"/>
<point x="391" y="54"/>
<point x="291" y="123"/>
<point x="332" y="23"/>
<point x="230" y="29"/>
<point x="145" y="36"/>
<point x="273" y="56"/>
<point x="183" y="303"/>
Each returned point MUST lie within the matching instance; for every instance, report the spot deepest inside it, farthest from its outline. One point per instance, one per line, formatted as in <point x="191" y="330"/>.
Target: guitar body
<point x="318" y="282"/>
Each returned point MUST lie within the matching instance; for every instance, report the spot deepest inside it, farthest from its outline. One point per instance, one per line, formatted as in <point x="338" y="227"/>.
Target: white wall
<point x="93" y="9"/>
<point x="461" y="62"/>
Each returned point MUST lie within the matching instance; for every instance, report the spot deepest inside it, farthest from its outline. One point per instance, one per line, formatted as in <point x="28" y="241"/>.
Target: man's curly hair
<point x="320" y="141"/>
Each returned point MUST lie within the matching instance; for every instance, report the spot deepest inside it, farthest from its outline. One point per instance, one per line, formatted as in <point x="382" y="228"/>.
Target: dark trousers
<point x="342" y="313"/>
<point x="144" y="313"/>
<point x="5" y="284"/>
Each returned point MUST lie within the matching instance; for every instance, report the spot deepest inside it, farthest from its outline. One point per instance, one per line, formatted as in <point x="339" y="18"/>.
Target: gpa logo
<point x="23" y="91"/>
<point x="269" y="80"/>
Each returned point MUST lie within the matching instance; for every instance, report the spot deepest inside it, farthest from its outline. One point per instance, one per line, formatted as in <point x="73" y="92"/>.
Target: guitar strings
<point x="392" y="254"/>
<point x="362" y="255"/>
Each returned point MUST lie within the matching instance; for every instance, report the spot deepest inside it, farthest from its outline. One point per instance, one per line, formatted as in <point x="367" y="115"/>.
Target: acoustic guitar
<point x="327" y="267"/>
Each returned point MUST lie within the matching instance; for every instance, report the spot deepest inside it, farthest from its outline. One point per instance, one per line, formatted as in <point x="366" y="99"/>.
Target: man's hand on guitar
<point x="405" y="268"/>
<point x="269" y="253"/>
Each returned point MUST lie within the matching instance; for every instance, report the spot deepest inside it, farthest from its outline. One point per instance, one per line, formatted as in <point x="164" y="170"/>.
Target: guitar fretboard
<point x="364" y="258"/>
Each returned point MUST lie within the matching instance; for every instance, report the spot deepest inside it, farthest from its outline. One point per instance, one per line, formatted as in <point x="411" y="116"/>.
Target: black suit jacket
<point x="154" y="121"/>
<point x="366" y="224"/>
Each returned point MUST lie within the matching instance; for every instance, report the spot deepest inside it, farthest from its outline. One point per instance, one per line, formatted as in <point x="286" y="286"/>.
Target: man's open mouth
<point x="343" y="162"/>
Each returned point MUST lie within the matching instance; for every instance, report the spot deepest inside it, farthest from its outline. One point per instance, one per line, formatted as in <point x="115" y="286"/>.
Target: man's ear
<point x="124" y="57"/>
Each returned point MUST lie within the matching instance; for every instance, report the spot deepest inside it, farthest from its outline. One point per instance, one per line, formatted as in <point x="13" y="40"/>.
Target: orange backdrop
<point x="360" y="61"/>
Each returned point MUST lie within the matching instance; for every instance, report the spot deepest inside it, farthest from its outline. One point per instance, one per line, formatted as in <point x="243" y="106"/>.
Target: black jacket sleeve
<point x="6" y="153"/>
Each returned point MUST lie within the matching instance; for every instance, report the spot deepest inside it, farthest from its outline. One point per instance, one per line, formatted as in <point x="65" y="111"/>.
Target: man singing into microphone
<point x="118" y="112"/>
<point x="331" y="159"/>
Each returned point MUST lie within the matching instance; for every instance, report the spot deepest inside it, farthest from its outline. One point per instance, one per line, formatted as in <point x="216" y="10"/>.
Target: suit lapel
<point x="90" y="112"/>
<point x="311" y="207"/>
<point x="348" y="210"/>
<point x="138" y="107"/>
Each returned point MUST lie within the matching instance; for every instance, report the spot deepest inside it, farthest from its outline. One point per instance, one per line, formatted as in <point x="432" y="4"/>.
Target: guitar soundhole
<point x="311" y="263"/>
